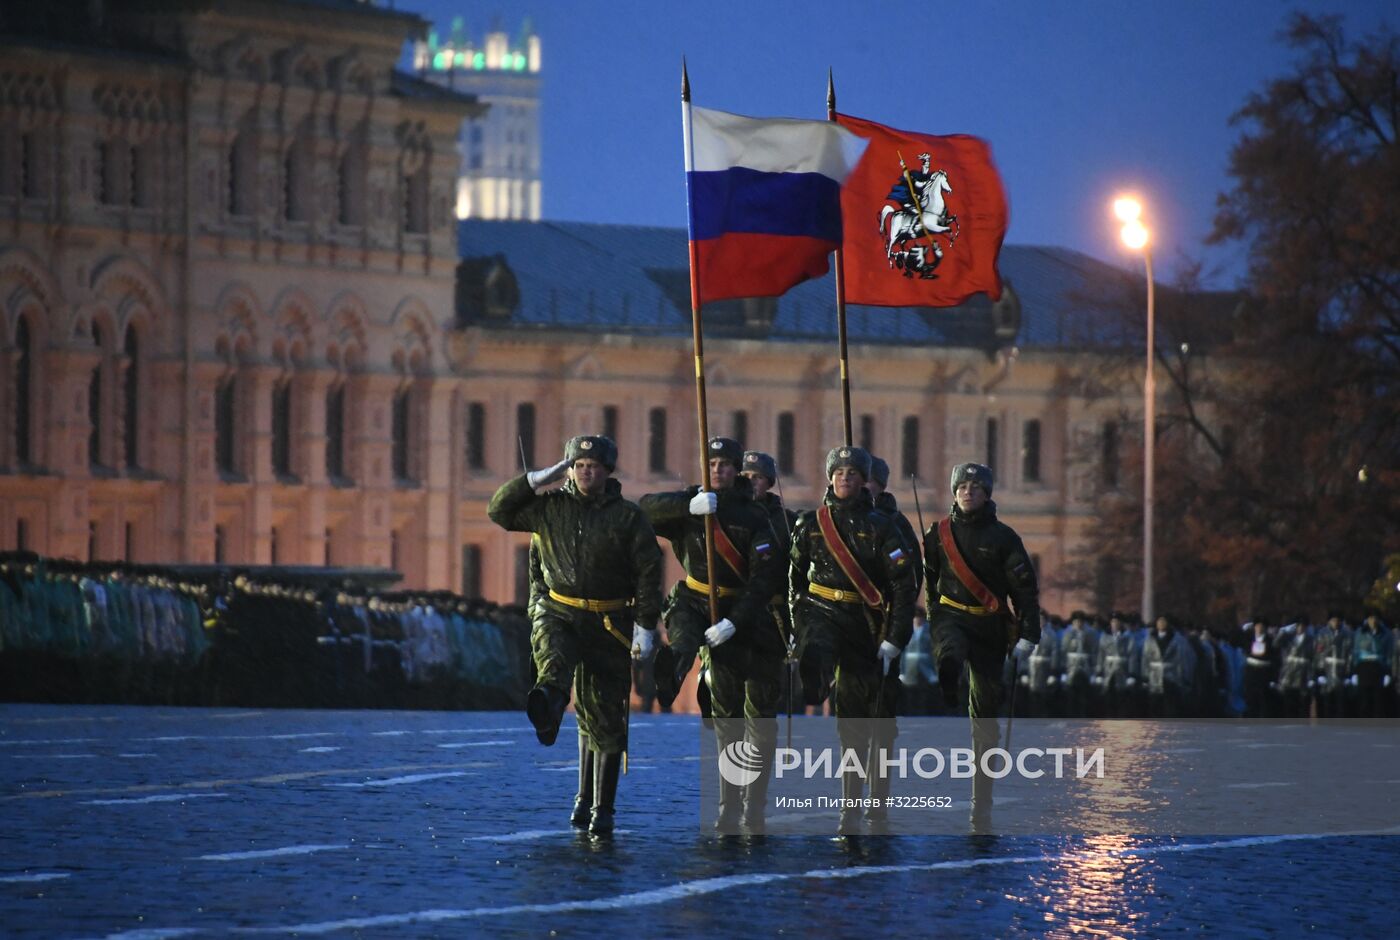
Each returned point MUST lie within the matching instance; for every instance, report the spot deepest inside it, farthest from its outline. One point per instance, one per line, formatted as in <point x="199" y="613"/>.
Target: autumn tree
<point x="1278" y="470"/>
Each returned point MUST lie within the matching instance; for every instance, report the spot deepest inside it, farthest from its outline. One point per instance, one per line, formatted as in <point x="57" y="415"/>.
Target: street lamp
<point x="1136" y="236"/>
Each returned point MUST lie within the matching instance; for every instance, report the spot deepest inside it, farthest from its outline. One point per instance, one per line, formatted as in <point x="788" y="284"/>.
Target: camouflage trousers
<point x="573" y="646"/>
<point x="981" y="643"/>
<point x="841" y="637"/>
<point x="745" y="675"/>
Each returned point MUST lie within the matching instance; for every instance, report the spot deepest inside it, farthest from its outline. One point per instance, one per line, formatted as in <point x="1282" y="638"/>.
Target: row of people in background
<point x="114" y="632"/>
<point x="1120" y="668"/>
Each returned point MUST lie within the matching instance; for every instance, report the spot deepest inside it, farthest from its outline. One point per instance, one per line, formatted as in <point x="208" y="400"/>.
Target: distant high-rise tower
<point x="500" y="168"/>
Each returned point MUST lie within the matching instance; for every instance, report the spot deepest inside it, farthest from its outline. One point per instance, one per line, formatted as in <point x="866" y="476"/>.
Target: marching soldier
<point x="886" y="503"/>
<point x="762" y="472"/>
<point x="1168" y="669"/>
<point x="601" y="569"/>
<point x="981" y="591"/>
<point x="851" y="590"/>
<point x="1078" y="651"/>
<point x="743" y="650"/>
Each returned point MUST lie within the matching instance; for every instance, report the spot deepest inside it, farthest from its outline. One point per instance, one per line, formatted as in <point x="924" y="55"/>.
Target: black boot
<point x="545" y="707"/>
<point x="606" y="769"/>
<point x="852" y="788"/>
<point x="756" y="793"/>
<point x="980" y="820"/>
<point x="583" y="802"/>
<point x="878" y="814"/>
<point x="663" y="669"/>
<point x="702" y="698"/>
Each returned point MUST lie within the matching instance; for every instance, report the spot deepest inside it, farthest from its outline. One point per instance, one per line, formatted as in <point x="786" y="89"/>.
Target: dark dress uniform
<point x="966" y="632"/>
<point x="601" y="568"/>
<point x="743" y="671"/>
<point x="838" y="633"/>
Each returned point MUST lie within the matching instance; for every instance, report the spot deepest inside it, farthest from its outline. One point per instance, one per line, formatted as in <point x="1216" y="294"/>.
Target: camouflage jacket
<point x="994" y="552"/>
<point x="600" y="548"/>
<point x="879" y="550"/>
<point x="748" y="528"/>
<point x="887" y="504"/>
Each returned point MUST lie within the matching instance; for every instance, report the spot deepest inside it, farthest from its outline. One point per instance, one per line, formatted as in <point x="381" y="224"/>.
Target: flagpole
<point x="701" y="412"/>
<point x="840" y="294"/>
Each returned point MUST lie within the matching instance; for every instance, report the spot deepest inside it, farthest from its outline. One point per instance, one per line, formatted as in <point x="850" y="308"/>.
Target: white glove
<point x="1131" y="682"/>
<point x="1351" y="681"/>
<point x="643" y="642"/>
<point x="1064" y="677"/>
<point x="704" y="503"/>
<point x="1311" y="683"/>
<point x="1385" y="683"/>
<point x="888" y="653"/>
<point x="1096" y="680"/>
<point x="720" y="631"/>
<point x="1050" y="680"/>
<point x="1023" y="647"/>
<point x="1273" y="685"/>
<point x="539" y="478"/>
<point x="1322" y="682"/>
<point x="1025" y="680"/>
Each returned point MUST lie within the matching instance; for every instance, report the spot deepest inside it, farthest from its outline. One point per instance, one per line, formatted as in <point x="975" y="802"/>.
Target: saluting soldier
<point x="601" y="569"/>
<point x="743" y="649"/>
<point x="851" y="591"/>
<point x="981" y="591"/>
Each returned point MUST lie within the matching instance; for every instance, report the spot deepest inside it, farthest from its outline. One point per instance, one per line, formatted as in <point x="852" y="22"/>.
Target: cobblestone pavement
<point x="149" y="822"/>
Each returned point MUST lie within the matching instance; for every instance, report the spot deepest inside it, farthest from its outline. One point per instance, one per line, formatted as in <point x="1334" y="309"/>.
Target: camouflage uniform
<point x="597" y="548"/>
<point x="743" y="671"/>
<point x="842" y="635"/>
<point x="963" y="630"/>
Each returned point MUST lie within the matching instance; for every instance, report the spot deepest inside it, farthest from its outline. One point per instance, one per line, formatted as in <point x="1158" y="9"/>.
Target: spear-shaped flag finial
<point x="685" y="81"/>
<point x="830" y="94"/>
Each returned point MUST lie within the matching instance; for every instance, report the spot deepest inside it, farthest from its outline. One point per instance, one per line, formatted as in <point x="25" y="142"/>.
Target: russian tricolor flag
<point x="765" y="200"/>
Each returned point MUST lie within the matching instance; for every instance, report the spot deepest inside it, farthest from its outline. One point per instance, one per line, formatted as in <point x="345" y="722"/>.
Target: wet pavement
<point x="150" y="822"/>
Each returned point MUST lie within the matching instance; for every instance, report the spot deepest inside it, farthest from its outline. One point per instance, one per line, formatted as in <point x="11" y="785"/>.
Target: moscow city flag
<point x="765" y="200"/>
<point x="927" y="233"/>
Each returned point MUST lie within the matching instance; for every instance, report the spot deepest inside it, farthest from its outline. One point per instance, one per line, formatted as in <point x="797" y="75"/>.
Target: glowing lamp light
<point x="1127" y="208"/>
<point x="1135" y="235"/>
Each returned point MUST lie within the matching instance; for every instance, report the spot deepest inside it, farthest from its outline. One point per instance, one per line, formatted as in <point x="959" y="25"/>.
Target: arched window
<point x="335" y="432"/>
<point x="131" y="411"/>
<point x="415" y="195"/>
<point x="242" y="166"/>
<point x="225" y="398"/>
<point x="350" y="180"/>
<point x="402" y="435"/>
<point x="282" y="429"/>
<point x="23" y="398"/>
<point x="291" y="186"/>
<point x="95" y="403"/>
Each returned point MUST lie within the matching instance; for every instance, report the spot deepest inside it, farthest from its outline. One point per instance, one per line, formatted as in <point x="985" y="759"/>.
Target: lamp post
<point x="1136" y="236"/>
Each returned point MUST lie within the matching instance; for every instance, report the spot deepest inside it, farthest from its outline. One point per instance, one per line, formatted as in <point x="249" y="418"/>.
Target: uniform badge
<point x="845" y="453"/>
<point x="585" y="445"/>
<point x="715" y="445"/>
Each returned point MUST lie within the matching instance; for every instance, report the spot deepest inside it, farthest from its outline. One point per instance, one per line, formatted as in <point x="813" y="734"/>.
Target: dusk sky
<point x="1078" y="100"/>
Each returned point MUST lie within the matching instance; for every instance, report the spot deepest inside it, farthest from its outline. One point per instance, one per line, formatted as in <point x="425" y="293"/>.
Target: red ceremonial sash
<point x="726" y="550"/>
<point x="842" y="553"/>
<point x="960" y="568"/>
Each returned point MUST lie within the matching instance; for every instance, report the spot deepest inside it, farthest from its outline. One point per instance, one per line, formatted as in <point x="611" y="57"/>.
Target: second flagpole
<point x="700" y="409"/>
<point x="840" y="295"/>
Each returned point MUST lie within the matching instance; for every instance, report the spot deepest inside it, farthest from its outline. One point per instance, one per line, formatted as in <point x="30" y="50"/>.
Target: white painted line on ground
<point x="159" y="798"/>
<point x="690" y="889"/>
<point x="37" y="876"/>
<point x="269" y="853"/>
<point x="47" y="741"/>
<point x="163" y="933"/>
<point x="136" y="755"/>
<point x="318" y="750"/>
<point x="475" y="744"/>
<point x="388" y="734"/>
<point x="521" y="729"/>
<point x="529" y="835"/>
<point x="571" y="768"/>
<point x="411" y="778"/>
<point x="1259" y="786"/>
<point x="52" y="756"/>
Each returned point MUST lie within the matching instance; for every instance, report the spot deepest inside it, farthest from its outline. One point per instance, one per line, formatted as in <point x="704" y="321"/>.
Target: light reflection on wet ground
<point x="473" y="840"/>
